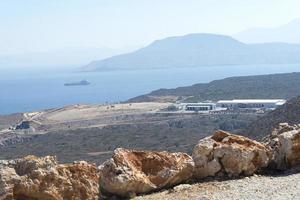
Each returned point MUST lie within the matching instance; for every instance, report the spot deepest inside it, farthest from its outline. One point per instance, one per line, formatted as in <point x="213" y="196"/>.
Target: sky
<point x="46" y="25"/>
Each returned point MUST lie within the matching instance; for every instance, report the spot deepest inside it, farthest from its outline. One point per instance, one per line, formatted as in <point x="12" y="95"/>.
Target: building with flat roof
<point x="251" y="103"/>
<point x="200" y="106"/>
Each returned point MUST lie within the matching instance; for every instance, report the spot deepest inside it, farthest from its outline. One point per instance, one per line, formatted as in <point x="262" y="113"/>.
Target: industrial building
<point x="233" y="105"/>
<point x="251" y="103"/>
<point x="200" y="106"/>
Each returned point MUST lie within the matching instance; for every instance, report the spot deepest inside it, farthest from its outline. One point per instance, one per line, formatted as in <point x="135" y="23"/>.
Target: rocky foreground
<point x="131" y="172"/>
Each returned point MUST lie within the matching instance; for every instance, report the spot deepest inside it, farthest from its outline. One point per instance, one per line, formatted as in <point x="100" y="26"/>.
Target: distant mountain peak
<point x="192" y="42"/>
<point x="199" y="37"/>
<point x="196" y="50"/>
<point x="294" y="21"/>
<point x="288" y="33"/>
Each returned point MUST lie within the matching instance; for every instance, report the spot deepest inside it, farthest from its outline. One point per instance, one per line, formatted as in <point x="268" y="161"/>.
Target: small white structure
<point x="200" y="106"/>
<point x="251" y="103"/>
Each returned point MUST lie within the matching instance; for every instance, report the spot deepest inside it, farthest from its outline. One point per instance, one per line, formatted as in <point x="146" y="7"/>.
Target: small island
<point x="80" y="83"/>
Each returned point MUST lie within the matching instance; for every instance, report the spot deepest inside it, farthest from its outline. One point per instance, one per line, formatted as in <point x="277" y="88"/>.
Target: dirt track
<point x="278" y="187"/>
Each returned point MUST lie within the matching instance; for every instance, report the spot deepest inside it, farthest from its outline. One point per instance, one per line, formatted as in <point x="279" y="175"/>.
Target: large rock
<point x="132" y="172"/>
<point x="8" y="177"/>
<point x="227" y="154"/>
<point x="43" y="179"/>
<point x="285" y="144"/>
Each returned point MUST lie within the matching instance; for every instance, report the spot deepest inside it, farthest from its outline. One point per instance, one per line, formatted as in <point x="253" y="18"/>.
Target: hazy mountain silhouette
<point x="289" y="33"/>
<point x="71" y="56"/>
<point x="197" y="50"/>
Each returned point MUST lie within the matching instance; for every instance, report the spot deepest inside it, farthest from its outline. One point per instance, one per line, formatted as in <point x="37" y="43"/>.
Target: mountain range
<point x="196" y="50"/>
<point x="289" y="33"/>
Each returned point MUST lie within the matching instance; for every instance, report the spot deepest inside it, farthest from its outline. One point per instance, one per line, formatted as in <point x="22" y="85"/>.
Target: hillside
<point x="197" y="50"/>
<point x="289" y="113"/>
<point x="284" y="86"/>
<point x="8" y="120"/>
<point x="92" y="132"/>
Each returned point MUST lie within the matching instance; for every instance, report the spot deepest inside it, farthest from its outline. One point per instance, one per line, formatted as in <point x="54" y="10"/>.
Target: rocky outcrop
<point x="132" y="172"/>
<point x="227" y="154"/>
<point x="43" y="179"/>
<point x="9" y="137"/>
<point x="285" y="144"/>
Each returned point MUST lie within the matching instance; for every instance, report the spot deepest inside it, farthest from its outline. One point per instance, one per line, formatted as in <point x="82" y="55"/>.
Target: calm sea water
<point x="31" y="90"/>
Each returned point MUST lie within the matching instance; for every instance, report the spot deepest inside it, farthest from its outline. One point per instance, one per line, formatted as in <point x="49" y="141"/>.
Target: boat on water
<point x="80" y="83"/>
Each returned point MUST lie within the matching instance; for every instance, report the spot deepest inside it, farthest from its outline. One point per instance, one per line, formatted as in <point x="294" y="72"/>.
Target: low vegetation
<point x="96" y="144"/>
<point x="276" y="86"/>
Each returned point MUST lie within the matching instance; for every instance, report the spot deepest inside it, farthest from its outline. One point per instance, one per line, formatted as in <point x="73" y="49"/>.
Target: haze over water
<point x="33" y="90"/>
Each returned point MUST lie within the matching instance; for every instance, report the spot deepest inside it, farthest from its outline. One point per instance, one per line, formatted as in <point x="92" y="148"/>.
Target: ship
<point x="80" y="83"/>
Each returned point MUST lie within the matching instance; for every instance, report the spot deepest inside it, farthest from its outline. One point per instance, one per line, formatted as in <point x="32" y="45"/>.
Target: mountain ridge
<point x="199" y="49"/>
<point x="288" y="33"/>
<point x="283" y="85"/>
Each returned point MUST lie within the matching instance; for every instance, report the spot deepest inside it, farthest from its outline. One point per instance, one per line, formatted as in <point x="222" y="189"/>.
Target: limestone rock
<point x="225" y="153"/>
<point x="7" y="178"/>
<point x="285" y="144"/>
<point x="44" y="179"/>
<point x="132" y="172"/>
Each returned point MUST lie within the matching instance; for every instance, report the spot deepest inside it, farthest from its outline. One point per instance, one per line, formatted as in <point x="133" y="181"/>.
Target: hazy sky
<point x="42" y="25"/>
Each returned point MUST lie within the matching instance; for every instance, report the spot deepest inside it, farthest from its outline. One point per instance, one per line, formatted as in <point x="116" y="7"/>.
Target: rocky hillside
<point x="289" y="112"/>
<point x="9" y="120"/>
<point x="221" y="156"/>
<point x="96" y="144"/>
<point x="92" y="132"/>
<point x="263" y="86"/>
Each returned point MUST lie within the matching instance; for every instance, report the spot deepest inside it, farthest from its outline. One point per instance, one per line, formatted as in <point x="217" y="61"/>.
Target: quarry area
<point x="92" y="132"/>
<point x="88" y="116"/>
<point x="83" y="116"/>
<point x="18" y="127"/>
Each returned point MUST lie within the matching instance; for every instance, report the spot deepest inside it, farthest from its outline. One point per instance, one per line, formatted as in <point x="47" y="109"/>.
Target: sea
<point x="27" y="90"/>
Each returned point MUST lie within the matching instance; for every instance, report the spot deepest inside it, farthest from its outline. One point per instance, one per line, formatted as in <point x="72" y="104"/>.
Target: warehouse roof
<point x="236" y="101"/>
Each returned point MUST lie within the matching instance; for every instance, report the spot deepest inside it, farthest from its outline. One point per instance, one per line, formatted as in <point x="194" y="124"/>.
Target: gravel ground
<point x="276" y="187"/>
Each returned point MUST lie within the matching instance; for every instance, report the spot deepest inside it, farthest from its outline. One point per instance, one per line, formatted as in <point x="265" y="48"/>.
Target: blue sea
<point x="36" y="89"/>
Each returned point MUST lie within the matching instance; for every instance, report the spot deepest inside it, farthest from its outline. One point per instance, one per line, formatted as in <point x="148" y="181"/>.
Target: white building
<point x="200" y="106"/>
<point x="251" y="103"/>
